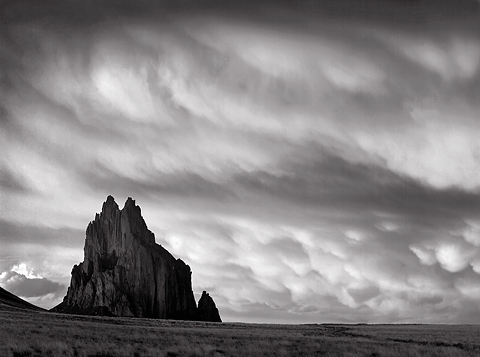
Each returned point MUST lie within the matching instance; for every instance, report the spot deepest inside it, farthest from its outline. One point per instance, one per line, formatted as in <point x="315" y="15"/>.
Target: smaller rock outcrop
<point x="207" y="310"/>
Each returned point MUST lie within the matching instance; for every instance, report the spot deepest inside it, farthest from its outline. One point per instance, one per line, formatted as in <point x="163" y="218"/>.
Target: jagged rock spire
<point x="207" y="310"/>
<point x="125" y="273"/>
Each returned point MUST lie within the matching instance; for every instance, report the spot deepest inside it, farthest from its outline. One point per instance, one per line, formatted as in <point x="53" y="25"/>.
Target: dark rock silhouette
<point x="125" y="273"/>
<point x="207" y="310"/>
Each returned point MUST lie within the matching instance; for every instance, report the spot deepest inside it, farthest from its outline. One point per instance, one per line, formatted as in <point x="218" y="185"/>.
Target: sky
<point x="312" y="161"/>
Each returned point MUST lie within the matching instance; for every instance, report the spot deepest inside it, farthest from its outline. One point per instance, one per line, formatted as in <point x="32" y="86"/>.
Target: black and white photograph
<point x="240" y="178"/>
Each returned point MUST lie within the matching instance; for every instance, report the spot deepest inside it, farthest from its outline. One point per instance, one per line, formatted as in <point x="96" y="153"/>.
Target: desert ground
<point x="40" y="333"/>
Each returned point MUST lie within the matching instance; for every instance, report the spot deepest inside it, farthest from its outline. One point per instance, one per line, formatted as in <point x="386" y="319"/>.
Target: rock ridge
<point x="125" y="273"/>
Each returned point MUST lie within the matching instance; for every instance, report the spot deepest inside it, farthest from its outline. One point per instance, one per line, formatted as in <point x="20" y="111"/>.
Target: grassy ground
<point x="32" y="333"/>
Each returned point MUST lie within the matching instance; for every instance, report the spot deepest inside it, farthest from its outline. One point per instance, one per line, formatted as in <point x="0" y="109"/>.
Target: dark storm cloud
<point x="330" y="180"/>
<point x="11" y="182"/>
<point x="20" y="233"/>
<point x="180" y="185"/>
<point x="398" y="11"/>
<point x="372" y="10"/>
<point x="365" y="294"/>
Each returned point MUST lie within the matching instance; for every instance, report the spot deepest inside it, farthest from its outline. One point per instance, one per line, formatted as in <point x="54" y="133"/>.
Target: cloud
<point x="10" y="182"/>
<point x="206" y="73"/>
<point x="23" y="282"/>
<point x="453" y="253"/>
<point x="471" y="233"/>
<point x="364" y="294"/>
<point x="16" y="232"/>
<point x="425" y="255"/>
<point x="457" y="59"/>
<point x="349" y="271"/>
<point x="454" y="257"/>
<point x="36" y="260"/>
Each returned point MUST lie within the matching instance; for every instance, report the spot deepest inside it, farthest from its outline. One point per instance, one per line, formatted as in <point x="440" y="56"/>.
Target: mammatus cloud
<point x="308" y="168"/>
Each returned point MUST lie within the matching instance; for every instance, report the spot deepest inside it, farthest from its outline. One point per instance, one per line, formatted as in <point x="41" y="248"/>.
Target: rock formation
<point x="125" y="273"/>
<point x="207" y="311"/>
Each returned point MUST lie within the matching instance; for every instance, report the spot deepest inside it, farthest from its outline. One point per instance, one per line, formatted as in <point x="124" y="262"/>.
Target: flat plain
<point x="40" y="333"/>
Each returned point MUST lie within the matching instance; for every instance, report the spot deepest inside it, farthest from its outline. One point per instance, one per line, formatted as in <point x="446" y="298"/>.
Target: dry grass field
<point x="34" y="333"/>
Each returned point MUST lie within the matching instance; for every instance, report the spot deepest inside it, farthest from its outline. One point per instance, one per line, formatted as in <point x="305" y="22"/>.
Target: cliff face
<point x="125" y="273"/>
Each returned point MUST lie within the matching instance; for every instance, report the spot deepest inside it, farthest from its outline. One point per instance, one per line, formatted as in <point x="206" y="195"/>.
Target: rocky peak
<point x="109" y="207"/>
<point x="133" y="215"/>
<point x="133" y="210"/>
<point x="207" y="310"/>
<point x="125" y="273"/>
